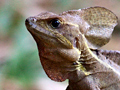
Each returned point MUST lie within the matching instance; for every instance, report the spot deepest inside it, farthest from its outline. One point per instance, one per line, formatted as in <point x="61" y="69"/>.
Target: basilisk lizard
<point x="69" y="41"/>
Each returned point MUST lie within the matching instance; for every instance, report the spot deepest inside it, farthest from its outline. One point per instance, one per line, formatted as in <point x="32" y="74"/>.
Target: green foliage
<point x="22" y="68"/>
<point x="23" y="62"/>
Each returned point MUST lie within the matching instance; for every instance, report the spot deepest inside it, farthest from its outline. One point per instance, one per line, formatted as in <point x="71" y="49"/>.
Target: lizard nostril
<point x="33" y="19"/>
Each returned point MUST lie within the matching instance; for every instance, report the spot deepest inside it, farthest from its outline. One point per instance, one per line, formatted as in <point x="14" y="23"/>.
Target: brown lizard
<point x="67" y="42"/>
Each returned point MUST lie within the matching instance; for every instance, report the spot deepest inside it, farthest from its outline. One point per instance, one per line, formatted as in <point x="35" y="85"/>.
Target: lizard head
<point x="56" y="38"/>
<point x="54" y="30"/>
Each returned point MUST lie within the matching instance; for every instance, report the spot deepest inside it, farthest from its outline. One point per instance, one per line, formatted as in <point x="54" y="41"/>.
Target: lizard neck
<point x="95" y="62"/>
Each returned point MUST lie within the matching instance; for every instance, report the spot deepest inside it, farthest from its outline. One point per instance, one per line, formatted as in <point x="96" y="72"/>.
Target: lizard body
<point x="65" y="41"/>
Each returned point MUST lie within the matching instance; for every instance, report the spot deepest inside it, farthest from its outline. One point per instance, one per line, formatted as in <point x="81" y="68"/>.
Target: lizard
<point x="67" y="42"/>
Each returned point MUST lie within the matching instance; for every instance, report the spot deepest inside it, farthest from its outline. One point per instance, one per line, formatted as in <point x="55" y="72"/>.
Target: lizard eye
<point x="55" y="23"/>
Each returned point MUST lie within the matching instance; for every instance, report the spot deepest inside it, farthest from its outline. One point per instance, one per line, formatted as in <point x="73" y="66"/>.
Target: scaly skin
<point x="67" y="47"/>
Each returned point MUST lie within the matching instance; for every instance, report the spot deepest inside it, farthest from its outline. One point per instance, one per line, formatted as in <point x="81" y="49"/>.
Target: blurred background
<point x="20" y="68"/>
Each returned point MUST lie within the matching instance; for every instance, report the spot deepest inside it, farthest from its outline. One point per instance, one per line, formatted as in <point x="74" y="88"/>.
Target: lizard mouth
<point x="34" y="29"/>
